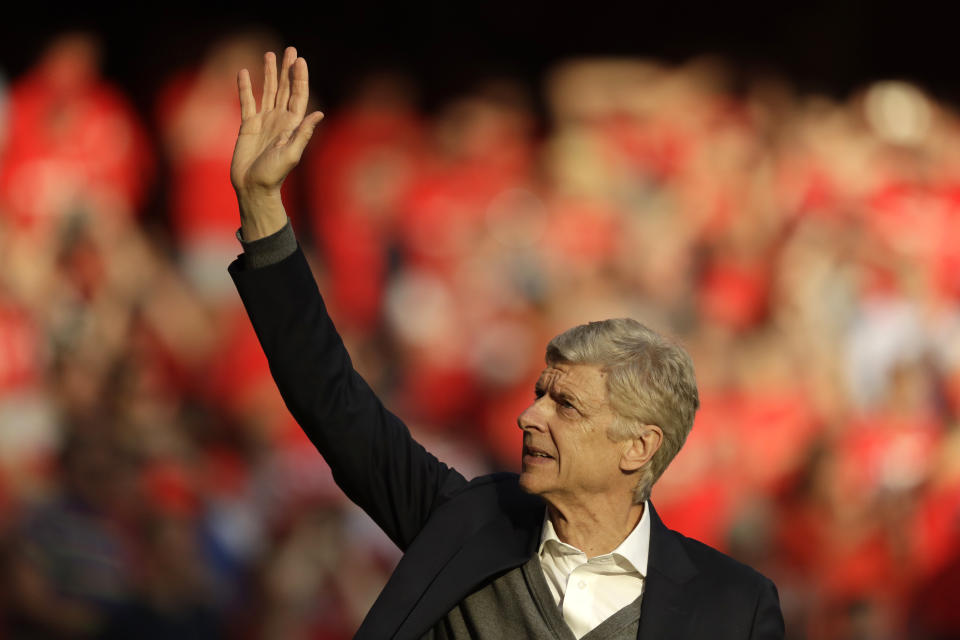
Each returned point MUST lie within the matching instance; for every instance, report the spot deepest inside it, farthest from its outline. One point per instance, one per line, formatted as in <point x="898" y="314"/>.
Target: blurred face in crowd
<point x="567" y="453"/>
<point x="72" y="61"/>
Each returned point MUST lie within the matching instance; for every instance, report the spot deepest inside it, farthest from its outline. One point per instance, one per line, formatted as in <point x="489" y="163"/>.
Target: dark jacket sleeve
<point x="371" y="453"/>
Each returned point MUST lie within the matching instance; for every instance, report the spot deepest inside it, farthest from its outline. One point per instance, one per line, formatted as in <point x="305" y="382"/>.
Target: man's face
<point x="566" y="451"/>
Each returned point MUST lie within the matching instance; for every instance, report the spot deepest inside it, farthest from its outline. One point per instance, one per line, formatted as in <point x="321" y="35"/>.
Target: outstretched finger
<point x="248" y="106"/>
<point x="300" y="138"/>
<point x="301" y="88"/>
<point x="283" y="90"/>
<point x="268" y="101"/>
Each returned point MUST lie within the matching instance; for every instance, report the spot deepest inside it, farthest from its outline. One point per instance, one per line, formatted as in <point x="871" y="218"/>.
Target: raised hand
<point x="271" y="141"/>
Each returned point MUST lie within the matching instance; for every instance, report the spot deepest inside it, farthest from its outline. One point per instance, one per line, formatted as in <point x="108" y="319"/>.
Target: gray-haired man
<point x="570" y="548"/>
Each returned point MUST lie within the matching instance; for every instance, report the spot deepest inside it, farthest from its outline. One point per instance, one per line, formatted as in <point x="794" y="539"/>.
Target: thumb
<point x="303" y="134"/>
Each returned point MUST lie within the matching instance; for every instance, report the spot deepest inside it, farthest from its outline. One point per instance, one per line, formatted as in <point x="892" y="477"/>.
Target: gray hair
<point x="650" y="380"/>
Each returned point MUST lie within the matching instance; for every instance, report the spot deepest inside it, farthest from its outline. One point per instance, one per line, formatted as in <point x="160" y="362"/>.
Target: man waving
<point x="569" y="548"/>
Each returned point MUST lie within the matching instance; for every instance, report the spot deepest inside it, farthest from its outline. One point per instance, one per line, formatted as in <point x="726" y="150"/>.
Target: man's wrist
<point x="270" y="249"/>
<point x="261" y="214"/>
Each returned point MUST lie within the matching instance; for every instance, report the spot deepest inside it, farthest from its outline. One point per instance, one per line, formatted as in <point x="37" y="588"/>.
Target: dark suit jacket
<point x="457" y="535"/>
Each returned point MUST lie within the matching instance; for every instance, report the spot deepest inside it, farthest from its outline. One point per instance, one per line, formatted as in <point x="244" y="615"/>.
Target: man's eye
<point x="563" y="402"/>
<point x="538" y="393"/>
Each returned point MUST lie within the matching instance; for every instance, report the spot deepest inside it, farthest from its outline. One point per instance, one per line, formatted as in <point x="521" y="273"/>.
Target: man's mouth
<point x="533" y="452"/>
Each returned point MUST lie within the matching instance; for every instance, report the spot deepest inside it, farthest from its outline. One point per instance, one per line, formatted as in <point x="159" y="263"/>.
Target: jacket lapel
<point x="465" y="543"/>
<point x="668" y="602"/>
<point x="497" y="548"/>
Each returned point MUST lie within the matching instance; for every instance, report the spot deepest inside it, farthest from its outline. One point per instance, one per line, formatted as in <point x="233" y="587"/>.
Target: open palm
<point x="272" y="139"/>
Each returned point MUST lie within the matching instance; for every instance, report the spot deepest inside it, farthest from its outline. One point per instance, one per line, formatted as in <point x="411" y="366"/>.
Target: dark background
<point x="829" y="47"/>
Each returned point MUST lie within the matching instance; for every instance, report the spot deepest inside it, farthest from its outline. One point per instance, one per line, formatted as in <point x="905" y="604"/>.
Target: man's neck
<point x="596" y="528"/>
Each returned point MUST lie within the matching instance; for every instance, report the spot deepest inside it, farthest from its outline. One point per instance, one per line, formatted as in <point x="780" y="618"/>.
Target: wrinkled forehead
<point x="585" y="380"/>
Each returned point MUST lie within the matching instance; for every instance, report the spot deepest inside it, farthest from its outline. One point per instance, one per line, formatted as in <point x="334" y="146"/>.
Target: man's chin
<point x="529" y="483"/>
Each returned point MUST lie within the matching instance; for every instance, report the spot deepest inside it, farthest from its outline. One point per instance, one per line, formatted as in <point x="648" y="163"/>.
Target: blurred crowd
<point x="805" y="249"/>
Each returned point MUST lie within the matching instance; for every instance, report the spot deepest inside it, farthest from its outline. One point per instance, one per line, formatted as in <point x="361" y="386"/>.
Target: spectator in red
<point x="75" y="147"/>
<point x="359" y="174"/>
<point x="483" y="146"/>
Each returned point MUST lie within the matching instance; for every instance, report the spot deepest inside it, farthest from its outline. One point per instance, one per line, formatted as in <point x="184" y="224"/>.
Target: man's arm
<point x="370" y="451"/>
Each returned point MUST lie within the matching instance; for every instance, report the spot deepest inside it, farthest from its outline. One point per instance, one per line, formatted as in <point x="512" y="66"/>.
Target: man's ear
<point x="639" y="450"/>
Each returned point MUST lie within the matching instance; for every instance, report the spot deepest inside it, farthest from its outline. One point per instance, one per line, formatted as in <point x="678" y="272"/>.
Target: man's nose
<point x="530" y="418"/>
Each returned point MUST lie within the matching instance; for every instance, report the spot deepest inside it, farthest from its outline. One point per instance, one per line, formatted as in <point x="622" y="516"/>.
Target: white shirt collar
<point x="635" y="548"/>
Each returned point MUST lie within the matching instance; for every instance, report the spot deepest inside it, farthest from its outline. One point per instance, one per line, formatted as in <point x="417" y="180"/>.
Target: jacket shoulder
<point x="498" y="494"/>
<point x="711" y="560"/>
<point x="505" y="486"/>
<point x="732" y="594"/>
